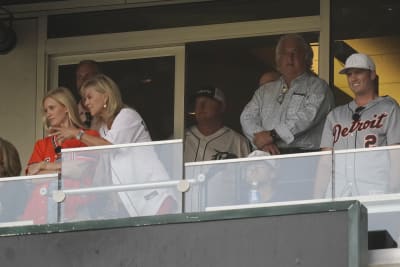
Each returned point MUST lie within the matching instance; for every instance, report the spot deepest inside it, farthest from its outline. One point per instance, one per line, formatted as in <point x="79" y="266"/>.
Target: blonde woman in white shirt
<point x="122" y="125"/>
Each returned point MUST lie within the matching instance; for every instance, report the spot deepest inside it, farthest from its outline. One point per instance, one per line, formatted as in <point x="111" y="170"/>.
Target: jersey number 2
<point x="370" y="141"/>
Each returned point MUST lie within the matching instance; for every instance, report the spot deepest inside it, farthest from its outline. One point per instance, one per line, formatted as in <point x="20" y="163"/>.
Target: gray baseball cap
<point x="358" y="61"/>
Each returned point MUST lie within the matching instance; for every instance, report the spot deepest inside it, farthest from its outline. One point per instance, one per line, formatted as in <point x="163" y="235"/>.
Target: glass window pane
<point x="146" y="84"/>
<point x="243" y="182"/>
<point x="234" y="66"/>
<point x="176" y="15"/>
<point x="121" y="181"/>
<point x="369" y="27"/>
<point x="28" y="200"/>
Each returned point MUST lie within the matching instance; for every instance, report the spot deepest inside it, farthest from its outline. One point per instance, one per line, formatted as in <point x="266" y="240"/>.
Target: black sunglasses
<point x="356" y="115"/>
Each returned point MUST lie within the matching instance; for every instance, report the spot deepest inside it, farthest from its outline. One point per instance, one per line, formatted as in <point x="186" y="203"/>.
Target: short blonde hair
<point x="105" y="85"/>
<point x="10" y="163"/>
<point x="64" y="97"/>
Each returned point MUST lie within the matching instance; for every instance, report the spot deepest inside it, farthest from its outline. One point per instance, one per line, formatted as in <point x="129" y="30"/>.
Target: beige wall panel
<point x="18" y="90"/>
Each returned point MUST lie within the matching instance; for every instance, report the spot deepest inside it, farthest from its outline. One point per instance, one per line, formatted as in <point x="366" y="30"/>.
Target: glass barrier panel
<point x="120" y="181"/>
<point x="271" y="179"/>
<point x="373" y="177"/>
<point x="366" y="172"/>
<point x="28" y="200"/>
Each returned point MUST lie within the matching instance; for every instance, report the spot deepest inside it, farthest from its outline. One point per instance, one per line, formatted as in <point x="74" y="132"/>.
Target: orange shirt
<point x="38" y="205"/>
<point x="44" y="149"/>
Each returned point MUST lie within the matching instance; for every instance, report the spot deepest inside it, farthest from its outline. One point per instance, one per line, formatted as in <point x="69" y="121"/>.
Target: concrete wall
<point x="18" y="90"/>
<point x="313" y="235"/>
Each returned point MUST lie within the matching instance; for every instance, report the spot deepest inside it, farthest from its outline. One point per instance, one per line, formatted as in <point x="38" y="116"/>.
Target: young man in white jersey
<point x="367" y="121"/>
<point x="209" y="139"/>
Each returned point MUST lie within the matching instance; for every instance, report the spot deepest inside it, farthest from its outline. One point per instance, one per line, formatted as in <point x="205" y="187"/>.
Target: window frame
<point x="171" y="42"/>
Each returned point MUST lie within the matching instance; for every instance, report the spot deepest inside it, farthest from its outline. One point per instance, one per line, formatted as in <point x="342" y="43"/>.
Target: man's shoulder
<point x="388" y="100"/>
<point x="315" y="79"/>
<point x="339" y="109"/>
<point x="268" y="87"/>
<point x="192" y="131"/>
<point x="233" y="133"/>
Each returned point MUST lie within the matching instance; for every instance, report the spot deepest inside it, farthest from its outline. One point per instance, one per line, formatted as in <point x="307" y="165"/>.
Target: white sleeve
<point x="127" y="127"/>
<point x="327" y="133"/>
<point x="307" y="111"/>
<point x="250" y="118"/>
<point x="393" y="129"/>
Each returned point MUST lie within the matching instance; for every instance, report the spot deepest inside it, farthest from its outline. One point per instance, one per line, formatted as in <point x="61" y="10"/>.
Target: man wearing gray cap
<point x="209" y="139"/>
<point x="367" y="121"/>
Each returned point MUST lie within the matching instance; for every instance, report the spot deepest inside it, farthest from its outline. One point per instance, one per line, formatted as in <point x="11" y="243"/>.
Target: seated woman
<point x="121" y="125"/>
<point x="10" y="165"/>
<point x="60" y="110"/>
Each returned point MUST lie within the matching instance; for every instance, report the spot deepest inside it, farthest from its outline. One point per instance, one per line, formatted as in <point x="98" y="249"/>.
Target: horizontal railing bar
<point x="29" y="177"/>
<point x="125" y="187"/>
<point x="111" y="147"/>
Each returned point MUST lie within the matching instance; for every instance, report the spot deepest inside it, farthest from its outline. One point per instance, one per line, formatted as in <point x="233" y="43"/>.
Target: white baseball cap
<point x="358" y="61"/>
<point x="261" y="153"/>
<point x="212" y="92"/>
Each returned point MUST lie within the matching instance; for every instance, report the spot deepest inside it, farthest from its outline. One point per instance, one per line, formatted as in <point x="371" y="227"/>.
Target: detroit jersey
<point x="224" y="143"/>
<point x="378" y="125"/>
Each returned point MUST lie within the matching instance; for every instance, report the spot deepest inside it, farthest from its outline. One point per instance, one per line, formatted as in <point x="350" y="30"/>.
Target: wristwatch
<point x="274" y="135"/>
<point x="79" y="135"/>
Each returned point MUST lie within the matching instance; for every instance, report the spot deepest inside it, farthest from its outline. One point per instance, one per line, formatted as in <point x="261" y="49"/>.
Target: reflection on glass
<point x="123" y="181"/>
<point x="247" y="181"/>
<point x="147" y="85"/>
<point x="354" y="31"/>
<point x="28" y="200"/>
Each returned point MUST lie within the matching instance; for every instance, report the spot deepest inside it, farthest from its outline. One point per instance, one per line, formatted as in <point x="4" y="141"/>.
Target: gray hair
<point x="309" y="54"/>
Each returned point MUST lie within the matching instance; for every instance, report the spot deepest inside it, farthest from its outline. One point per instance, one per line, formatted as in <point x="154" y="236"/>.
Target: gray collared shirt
<point x="297" y="115"/>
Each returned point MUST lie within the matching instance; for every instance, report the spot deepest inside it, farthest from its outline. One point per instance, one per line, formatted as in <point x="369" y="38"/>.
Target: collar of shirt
<point x="299" y="78"/>
<point x="372" y="103"/>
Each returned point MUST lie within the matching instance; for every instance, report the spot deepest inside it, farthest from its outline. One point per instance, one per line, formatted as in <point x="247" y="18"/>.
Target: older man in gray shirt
<point x="287" y="115"/>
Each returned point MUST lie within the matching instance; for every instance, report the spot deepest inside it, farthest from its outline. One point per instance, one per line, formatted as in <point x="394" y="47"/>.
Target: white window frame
<point x="178" y="52"/>
<point x="171" y="41"/>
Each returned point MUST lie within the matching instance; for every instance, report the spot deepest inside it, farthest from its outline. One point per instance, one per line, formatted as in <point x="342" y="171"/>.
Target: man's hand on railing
<point x="262" y="139"/>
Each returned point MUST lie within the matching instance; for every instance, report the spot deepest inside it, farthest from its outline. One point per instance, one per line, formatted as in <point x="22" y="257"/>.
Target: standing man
<point x="86" y="69"/>
<point x="367" y="121"/>
<point x="287" y="115"/>
<point x="209" y="139"/>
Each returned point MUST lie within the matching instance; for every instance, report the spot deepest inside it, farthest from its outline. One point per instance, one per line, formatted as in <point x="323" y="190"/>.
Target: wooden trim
<point x="41" y="74"/>
<point x="179" y="36"/>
